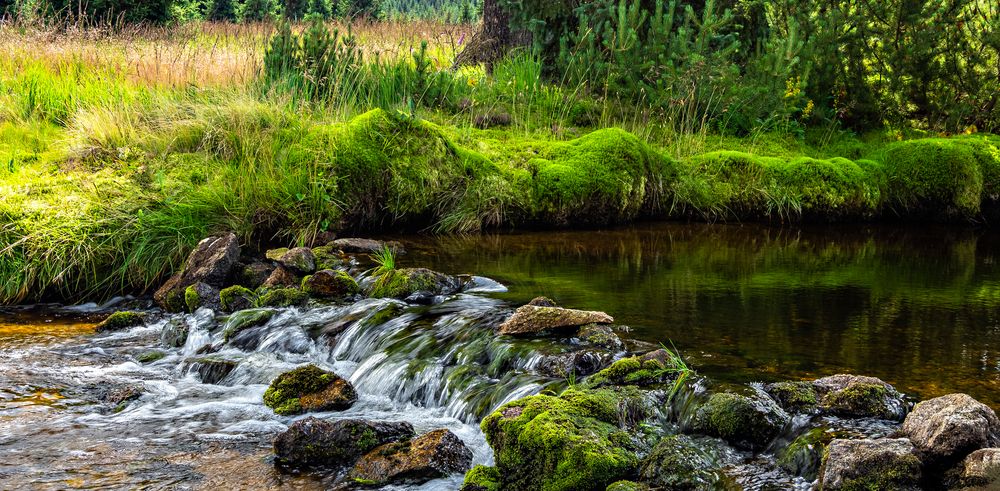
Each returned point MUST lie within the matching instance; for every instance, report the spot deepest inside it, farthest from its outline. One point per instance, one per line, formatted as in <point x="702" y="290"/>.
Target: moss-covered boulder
<point x="569" y="442"/>
<point x="748" y="421"/>
<point x="577" y="363"/>
<point x="627" y="486"/>
<point x="312" y="443"/>
<point x="276" y="254"/>
<point x="330" y="284"/>
<point x="679" y="463"/>
<point x="254" y="275"/>
<point x="433" y="455"/>
<point x="634" y="370"/>
<point x="885" y="463"/>
<point x="531" y="319"/>
<point x="282" y="297"/>
<point x="120" y="321"/>
<point x="309" y="389"/>
<point x="243" y="320"/>
<point x="201" y="295"/>
<point x="150" y="356"/>
<point x="236" y="298"/>
<point x="857" y="396"/>
<point x="299" y="260"/>
<point x="601" y="335"/>
<point x="794" y="397"/>
<point x="403" y="283"/>
<point x="482" y="478"/>
<point x="328" y="257"/>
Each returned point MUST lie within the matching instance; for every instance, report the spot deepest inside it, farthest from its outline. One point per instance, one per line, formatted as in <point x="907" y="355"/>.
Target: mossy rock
<point x="627" y="486"/>
<point x="201" y="295"/>
<point x="307" y="389"/>
<point x="330" y="284"/>
<point x="678" y="463"/>
<point x="150" y="356"/>
<point x="402" y="283"/>
<point x="328" y="257"/>
<point x="120" y="321"/>
<point x="601" y="335"/>
<point x="855" y="396"/>
<point x="312" y="443"/>
<point x="245" y="319"/>
<point x="804" y="456"/>
<point x="282" y="297"/>
<point x="482" y="478"/>
<point x="300" y="260"/>
<point x="746" y="421"/>
<point x="570" y="442"/>
<point x="236" y="298"/>
<point x="794" y="396"/>
<point x="276" y="254"/>
<point x="633" y="370"/>
<point x="862" y="465"/>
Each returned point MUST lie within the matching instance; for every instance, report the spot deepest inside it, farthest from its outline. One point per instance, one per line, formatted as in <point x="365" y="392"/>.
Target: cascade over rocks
<point x="312" y="443"/>
<point x="531" y="319"/>
<point x="309" y="388"/>
<point x="885" y="463"/>
<point x="948" y="428"/>
<point x="429" y="456"/>
<point x="211" y="263"/>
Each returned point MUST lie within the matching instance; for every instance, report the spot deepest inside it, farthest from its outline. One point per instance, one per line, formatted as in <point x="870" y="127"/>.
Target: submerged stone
<point x="746" y="421"/>
<point x="119" y="321"/>
<point x="174" y="333"/>
<point x="575" y="363"/>
<point x="679" y="463"/>
<point x="211" y="263"/>
<point x="330" y="284"/>
<point x="212" y="369"/>
<point x="309" y="389"/>
<point x="312" y="443"/>
<point x="804" y="456"/>
<point x="482" y="478"/>
<point x="150" y="356"/>
<point x="947" y="428"/>
<point x="530" y="319"/>
<point x="856" y="396"/>
<point x="245" y="319"/>
<point x="430" y="456"/>
<point x="885" y="463"/>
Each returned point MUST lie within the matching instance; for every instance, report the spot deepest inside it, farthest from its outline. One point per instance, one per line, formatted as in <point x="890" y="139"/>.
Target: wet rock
<point x="855" y="396"/>
<point x="430" y="456"/>
<point x="575" y="363"/>
<point x="366" y="246"/>
<point x="174" y="334"/>
<point x="542" y="302"/>
<point x="948" y="428"/>
<point x="254" y="275"/>
<point x="330" y="284"/>
<point x="627" y="486"/>
<point x="245" y="319"/>
<point x="309" y="389"/>
<point x="328" y="258"/>
<point x="749" y="421"/>
<point x="795" y="397"/>
<point x="804" y="456"/>
<point x="212" y="369"/>
<point x="980" y="469"/>
<point x="312" y="443"/>
<point x="402" y="283"/>
<point x="275" y="254"/>
<point x="211" y="262"/>
<point x="201" y="295"/>
<point x="281" y="277"/>
<point x="299" y="260"/>
<point x="283" y="297"/>
<point x="578" y="434"/>
<point x="150" y="356"/>
<point x="119" y="321"/>
<point x="119" y="396"/>
<point x="236" y="298"/>
<point x="885" y="463"/>
<point x="635" y="370"/>
<point x="601" y="335"/>
<point x="678" y="463"/>
<point x="492" y="120"/>
<point x="530" y="319"/>
<point x="481" y="478"/>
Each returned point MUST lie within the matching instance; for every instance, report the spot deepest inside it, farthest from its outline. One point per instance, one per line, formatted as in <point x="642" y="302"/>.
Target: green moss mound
<point x="482" y="478"/>
<point x="679" y="463"/>
<point x="282" y="297"/>
<point x="748" y="421"/>
<point x="632" y="371"/>
<point x="119" y="321"/>
<point x="570" y="442"/>
<point x="401" y="283"/>
<point x="236" y="298"/>
<point x="284" y="393"/>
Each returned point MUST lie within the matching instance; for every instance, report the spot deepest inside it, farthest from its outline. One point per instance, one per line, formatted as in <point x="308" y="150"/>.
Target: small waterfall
<point x="199" y="326"/>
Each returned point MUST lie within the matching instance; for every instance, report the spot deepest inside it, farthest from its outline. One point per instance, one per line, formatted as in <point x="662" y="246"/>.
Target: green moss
<point x="631" y="371"/>
<point x="285" y="391"/>
<point x="150" y="356"/>
<point x="899" y="473"/>
<point x="804" y="455"/>
<point x="482" y="478"/>
<point x="626" y="486"/>
<point x="121" y="320"/>
<point x="860" y="400"/>
<point x="282" y="297"/>
<point x="339" y="283"/>
<point x="327" y="257"/>
<point x="276" y="254"/>
<point x="679" y="463"/>
<point x="175" y="301"/>
<point x="236" y="298"/>
<point x="555" y="443"/>
<point x="794" y="396"/>
<point x="245" y="319"/>
<point x="401" y="283"/>
<point x="191" y="298"/>
<point x="745" y="421"/>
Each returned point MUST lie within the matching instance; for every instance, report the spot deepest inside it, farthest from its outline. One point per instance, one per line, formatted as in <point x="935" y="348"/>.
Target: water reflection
<point x="917" y="306"/>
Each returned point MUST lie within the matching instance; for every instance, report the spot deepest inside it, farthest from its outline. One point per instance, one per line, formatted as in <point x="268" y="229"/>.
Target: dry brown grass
<point x="203" y="54"/>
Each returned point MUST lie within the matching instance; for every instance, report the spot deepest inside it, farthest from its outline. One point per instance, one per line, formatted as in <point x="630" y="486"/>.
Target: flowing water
<point x="919" y="308"/>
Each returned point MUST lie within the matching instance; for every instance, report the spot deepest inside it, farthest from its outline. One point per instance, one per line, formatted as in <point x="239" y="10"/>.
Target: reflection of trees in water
<point x="917" y="306"/>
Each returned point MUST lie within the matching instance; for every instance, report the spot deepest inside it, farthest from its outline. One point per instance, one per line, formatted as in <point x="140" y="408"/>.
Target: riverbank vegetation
<point x="122" y="145"/>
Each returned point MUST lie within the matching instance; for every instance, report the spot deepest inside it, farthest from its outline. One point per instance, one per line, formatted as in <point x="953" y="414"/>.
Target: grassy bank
<point x="110" y="173"/>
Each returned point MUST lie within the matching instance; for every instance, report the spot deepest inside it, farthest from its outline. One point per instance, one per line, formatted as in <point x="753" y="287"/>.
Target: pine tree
<point x="320" y="8"/>
<point x="222" y="10"/>
<point x="294" y="9"/>
<point x="256" y="10"/>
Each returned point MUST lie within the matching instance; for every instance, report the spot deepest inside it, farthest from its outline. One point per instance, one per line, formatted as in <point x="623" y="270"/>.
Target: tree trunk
<point x="493" y="39"/>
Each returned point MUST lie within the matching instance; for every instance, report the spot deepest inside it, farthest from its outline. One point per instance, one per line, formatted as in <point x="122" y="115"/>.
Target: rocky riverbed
<point x="329" y="367"/>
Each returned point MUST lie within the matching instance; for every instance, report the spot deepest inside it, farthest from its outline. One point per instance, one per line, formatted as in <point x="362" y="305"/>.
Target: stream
<point x="917" y="307"/>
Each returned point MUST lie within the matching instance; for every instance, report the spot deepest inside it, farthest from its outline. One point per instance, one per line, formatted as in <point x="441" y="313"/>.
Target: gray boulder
<point x="883" y="464"/>
<point x="948" y="428"/>
<point x="530" y="319"/>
